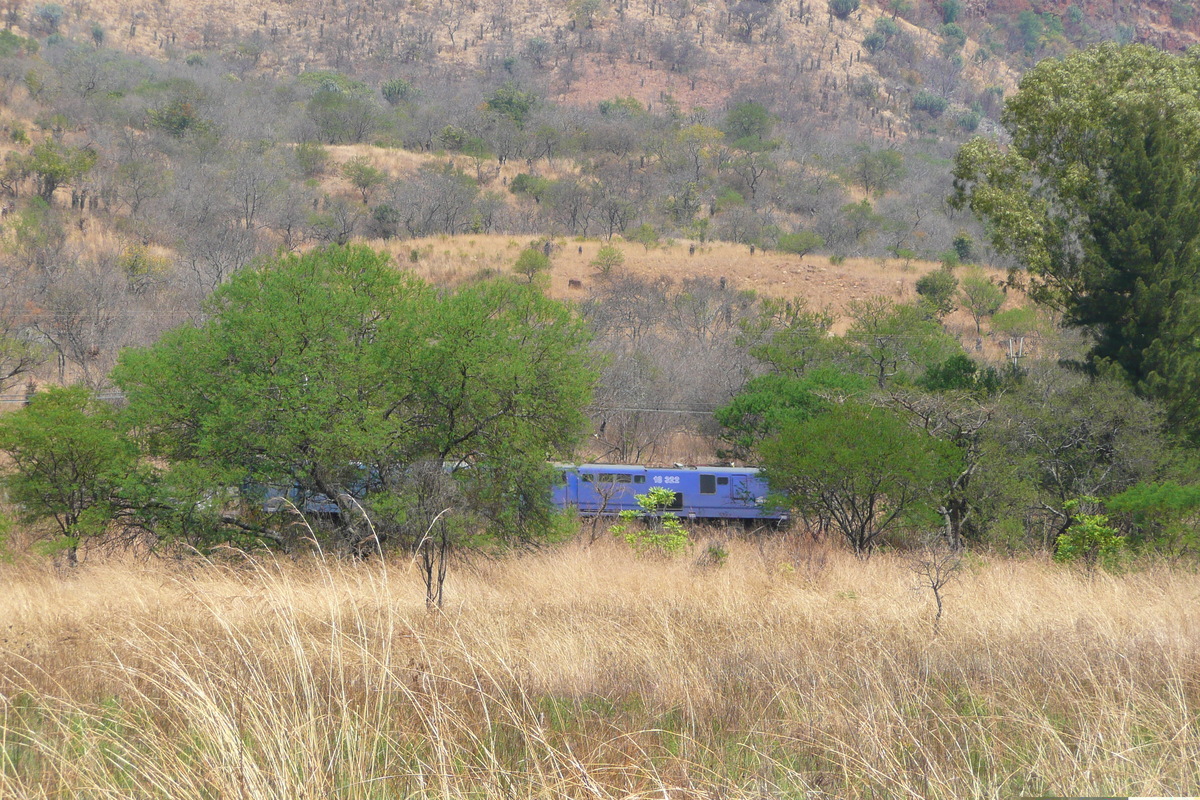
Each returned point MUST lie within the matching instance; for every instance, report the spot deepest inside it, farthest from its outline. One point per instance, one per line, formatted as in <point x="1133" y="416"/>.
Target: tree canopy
<point x="1097" y="196"/>
<point x="311" y="363"/>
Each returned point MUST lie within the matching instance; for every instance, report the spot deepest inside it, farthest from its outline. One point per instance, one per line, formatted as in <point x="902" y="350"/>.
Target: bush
<point x="843" y="8"/>
<point x="607" y="259"/>
<point x="937" y="290"/>
<point x="663" y="533"/>
<point x="930" y="103"/>
<point x="397" y="91"/>
<point x="800" y="243"/>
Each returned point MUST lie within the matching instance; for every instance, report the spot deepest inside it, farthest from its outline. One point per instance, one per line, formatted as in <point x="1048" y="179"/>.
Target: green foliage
<point x="622" y="107"/>
<point x="800" y="243"/>
<point x="70" y="463"/>
<point x="55" y="164"/>
<point x="178" y="117"/>
<point x="1089" y="538"/>
<point x="397" y="91"/>
<point x="874" y="42"/>
<point x="513" y="103"/>
<point x="877" y="171"/>
<point x="313" y="362"/>
<point x="311" y="158"/>
<point x="1098" y="198"/>
<point x="661" y="532"/>
<point x="932" y="104"/>
<point x="749" y="126"/>
<point x="363" y="175"/>
<point x="960" y="373"/>
<point x="955" y="37"/>
<point x="48" y="17"/>
<point x="895" y="341"/>
<point x="1163" y="515"/>
<point x="787" y="335"/>
<point x="937" y="290"/>
<point x="980" y="296"/>
<point x="769" y="403"/>
<point x="861" y="467"/>
<point x="951" y="9"/>
<point x="843" y="8"/>
<point x="11" y="44"/>
<point x="608" y="258"/>
<point x="341" y="109"/>
<point x="532" y="185"/>
<point x="645" y="235"/>
<point x="531" y="263"/>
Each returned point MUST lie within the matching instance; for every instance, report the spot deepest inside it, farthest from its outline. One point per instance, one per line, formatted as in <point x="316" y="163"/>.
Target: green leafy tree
<point x="980" y="296"/>
<point x="363" y="175"/>
<point x="512" y="103"/>
<point x="531" y="263"/>
<point x="54" y="164"/>
<point x="861" y="467"/>
<point x="769" y="403"/>
<point x="1162" y="514"/>
<point x="878" y="171"/>
<point x="1098" y="198"/>
<point x="310" y="363"/>
<point x="749" y="126"/>
<point x="788" y="336"/>
<point x="801" y="243"/>
<point x="895" y="340"/>
<point x="937" y="291"/>
<point x="397" y="91"/>
<point x="69" y="463"/>
<point x="608" y="258"/>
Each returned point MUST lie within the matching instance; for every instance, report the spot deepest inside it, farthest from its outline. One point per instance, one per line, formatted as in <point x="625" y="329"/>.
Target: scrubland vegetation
<point x="791" y="670"/>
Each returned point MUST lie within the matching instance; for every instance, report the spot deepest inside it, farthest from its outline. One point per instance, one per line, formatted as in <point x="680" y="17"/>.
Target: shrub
<point x="930" y="103"/>
<point x="662" y="533"/>
<point x="607" y="259"/>
<point x="801" y="243"/>
<point x="397" y="91"/>
<point x="843" y="8"/>
<point x="937" y="290"/>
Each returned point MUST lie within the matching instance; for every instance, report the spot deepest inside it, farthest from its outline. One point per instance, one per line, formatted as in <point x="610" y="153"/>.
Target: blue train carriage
<point x="700" y="492"/>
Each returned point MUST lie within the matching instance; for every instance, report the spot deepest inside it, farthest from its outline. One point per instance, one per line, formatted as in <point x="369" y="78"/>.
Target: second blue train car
<point x="729" y="493"/>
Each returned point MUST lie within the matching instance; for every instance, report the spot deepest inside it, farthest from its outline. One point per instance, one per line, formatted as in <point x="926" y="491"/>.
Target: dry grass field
<point x="791" y="671"/>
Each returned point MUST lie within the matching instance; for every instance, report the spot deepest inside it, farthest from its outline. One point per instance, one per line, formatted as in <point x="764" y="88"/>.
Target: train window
<point x="723" y="481"/>
<point x="708" y="484"/>
<point x="624" y="478"/>
<point x="677" y="503"/>
<point x="587" y="477"/>
<point x="639" y="478"/>
<point x="607" y="478"/>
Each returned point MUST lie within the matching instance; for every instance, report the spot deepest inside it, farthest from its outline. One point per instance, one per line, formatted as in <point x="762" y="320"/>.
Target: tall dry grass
<point x="787" y="672"/>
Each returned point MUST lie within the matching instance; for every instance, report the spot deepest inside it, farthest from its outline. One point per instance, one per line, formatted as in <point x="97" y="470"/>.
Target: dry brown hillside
<point x="683" y="51"/>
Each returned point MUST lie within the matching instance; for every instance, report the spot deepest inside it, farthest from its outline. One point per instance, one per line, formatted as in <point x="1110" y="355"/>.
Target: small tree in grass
<point x="531" y="263"/>
<point x="661" y="533"/>
<point x="607" y="259"/>
<point x="937" y="290"/>
<point x="363" y="175"/>
<point x="981" y="297"/>
<point x="1089" y="538"/>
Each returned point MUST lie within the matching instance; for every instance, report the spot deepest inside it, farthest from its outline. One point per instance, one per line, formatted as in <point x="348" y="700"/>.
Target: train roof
<point x="686" y="468"/>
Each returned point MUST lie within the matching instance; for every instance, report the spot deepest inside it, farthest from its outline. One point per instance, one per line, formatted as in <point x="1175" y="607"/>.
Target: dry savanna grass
<point x="790" y="671"/>
<point x="815" y="278"/>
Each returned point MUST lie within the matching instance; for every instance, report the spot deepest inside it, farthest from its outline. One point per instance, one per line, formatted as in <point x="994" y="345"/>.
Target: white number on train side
<point x="666" y="479"/>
